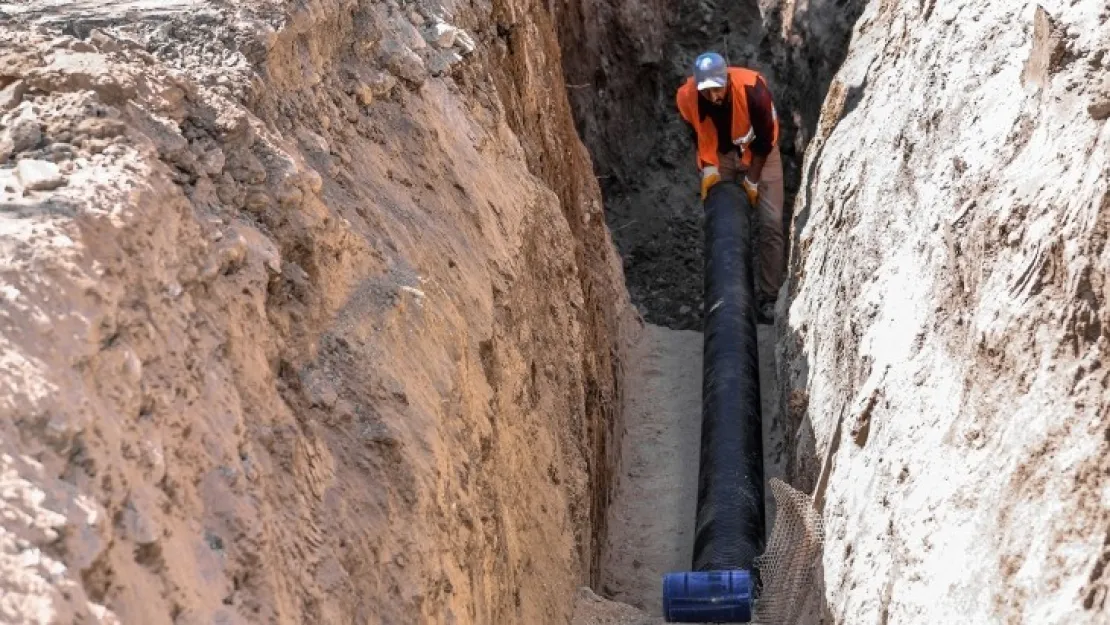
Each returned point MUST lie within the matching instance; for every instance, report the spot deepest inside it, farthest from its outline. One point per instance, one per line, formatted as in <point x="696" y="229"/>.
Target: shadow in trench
<point x="792" y="567"/>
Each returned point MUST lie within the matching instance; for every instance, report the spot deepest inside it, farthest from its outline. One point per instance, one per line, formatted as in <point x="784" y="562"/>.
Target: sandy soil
<point x="651" y="518"/>
<point x="590" y="609"/>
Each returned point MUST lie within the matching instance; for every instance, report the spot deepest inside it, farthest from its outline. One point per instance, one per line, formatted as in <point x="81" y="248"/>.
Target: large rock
<point x="12" y="95"/>
<point x="34" y="175"/>
<point x="24" y="134"/>
<point x="402" y="62"/>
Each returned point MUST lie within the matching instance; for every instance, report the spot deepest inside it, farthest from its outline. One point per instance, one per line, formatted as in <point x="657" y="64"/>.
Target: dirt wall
<point x="625" y="60"/>
<point x="297" y="325"/>
<point x="942" y="340"/>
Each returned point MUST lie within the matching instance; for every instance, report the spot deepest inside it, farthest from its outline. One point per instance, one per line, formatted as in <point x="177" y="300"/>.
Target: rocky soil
<point x="943" y="341"/>
<point x="308" y="314"/>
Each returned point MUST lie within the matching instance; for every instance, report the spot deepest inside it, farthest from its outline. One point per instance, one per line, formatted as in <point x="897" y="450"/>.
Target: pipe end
<point x="708" y="597"/>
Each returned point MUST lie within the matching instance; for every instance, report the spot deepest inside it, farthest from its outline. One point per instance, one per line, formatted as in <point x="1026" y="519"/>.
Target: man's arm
<point x="755" y="170"/>
<point x="761" y="112"/>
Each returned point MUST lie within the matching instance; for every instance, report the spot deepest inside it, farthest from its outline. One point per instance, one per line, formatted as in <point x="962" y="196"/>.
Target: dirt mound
<point x="589" y="609"/>
<point x="295" y="326"/>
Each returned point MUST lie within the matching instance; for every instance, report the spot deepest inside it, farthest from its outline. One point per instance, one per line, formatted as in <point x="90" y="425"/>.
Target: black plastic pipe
<point x="729" y="528"/>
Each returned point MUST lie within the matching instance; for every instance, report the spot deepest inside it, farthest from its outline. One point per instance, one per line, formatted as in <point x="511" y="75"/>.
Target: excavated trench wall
<point x="942" y="340"/>
<point x="307" y="314"/>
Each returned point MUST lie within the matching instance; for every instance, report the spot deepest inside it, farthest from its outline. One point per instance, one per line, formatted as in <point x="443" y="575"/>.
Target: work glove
<point x="709" y="177"/>
<point x="752" y="189"/>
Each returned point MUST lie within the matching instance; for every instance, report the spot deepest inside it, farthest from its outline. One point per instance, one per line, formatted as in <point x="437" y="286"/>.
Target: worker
<point x="733" y="121"/>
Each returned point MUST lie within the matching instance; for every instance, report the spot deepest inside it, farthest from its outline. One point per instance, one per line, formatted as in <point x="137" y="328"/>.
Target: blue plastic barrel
<point x="708" y="597"/>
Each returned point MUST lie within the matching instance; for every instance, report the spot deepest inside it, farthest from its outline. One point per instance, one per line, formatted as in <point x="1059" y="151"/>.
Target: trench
<point x="618" y="88"/>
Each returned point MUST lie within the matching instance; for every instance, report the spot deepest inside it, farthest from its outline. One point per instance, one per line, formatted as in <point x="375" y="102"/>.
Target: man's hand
<point x="752" y="189"/>
<point x="709" y="177"/>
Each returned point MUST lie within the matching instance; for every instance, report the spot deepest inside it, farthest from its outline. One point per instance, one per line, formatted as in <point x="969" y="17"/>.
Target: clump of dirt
<point x="625" y="60"/>
<point x="590" y="609"/>
<point x="295" y="324"/>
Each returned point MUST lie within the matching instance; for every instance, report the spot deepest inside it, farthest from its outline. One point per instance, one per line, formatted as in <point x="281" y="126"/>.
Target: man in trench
<point x="732" y="115"/>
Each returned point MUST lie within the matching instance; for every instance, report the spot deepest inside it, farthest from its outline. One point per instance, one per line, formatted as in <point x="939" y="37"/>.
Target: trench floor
<point x="651" y="519"/>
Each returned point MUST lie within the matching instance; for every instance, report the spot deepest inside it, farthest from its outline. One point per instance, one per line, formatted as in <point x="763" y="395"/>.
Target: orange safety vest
<point x="742" y="131"/>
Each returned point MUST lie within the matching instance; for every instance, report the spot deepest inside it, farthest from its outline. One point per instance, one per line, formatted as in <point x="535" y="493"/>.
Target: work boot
<point x="765" y="312"/>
